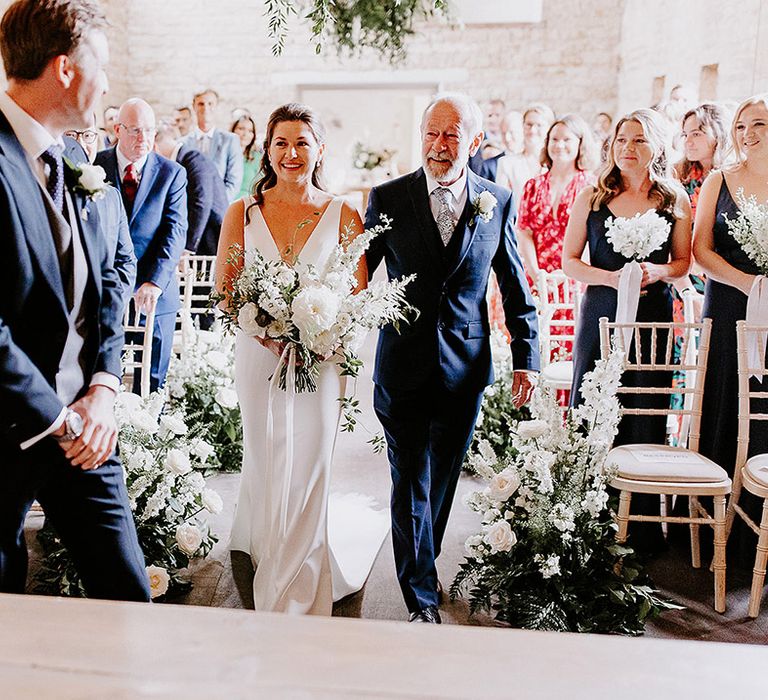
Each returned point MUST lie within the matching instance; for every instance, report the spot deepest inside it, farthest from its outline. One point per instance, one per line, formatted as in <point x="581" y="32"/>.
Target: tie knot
<point x="443" y="194"/>
<point x="52" y="154"/>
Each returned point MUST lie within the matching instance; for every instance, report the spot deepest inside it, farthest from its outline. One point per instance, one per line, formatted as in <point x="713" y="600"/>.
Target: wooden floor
<point x="56" y="648"/>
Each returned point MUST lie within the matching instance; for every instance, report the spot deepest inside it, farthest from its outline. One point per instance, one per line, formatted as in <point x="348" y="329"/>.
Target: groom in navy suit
<point x="60" y="322"/>
<point x="154" y="191"/>
<point x="450" y="228"/>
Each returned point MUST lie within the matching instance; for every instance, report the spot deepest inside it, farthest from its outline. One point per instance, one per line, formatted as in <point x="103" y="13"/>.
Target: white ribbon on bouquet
<point x="628" y="299"/>
<point x="757" y="315"/>
<point x="278" y="486"/>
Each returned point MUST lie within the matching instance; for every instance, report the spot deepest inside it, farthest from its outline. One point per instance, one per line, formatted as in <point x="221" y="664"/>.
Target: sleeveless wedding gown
<point x="299" y="568"/>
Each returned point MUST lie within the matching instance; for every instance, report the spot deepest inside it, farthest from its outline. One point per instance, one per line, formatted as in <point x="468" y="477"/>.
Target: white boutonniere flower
<point x="483" y="206"/>
<point x="89" y="180"/>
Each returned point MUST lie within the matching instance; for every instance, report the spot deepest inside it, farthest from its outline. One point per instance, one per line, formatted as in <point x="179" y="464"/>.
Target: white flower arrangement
<point x="750" y="229"/>
<point x="546" y="557"/>
<point x="365" y="157"/>
<point x="637" y="237"/>
<point x="482" y="206"/>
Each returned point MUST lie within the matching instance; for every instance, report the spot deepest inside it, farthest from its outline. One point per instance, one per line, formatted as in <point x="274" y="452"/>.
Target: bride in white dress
<point x="291" y="217"/>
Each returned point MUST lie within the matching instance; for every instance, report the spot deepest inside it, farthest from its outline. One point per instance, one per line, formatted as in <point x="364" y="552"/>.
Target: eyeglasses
<point x="88" y="136"/>
<point x="134" y="131"/>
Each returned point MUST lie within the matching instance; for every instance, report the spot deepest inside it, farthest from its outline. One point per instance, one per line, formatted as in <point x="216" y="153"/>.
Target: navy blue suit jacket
<point x="33" y="315"/>
<point x="157" y="221"/>
<point x="450" y="338"/>
<point x="206" y="201"/>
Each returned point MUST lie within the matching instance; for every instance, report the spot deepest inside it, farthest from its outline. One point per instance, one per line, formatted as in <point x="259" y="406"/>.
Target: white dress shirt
<point x="458" y="192"/>
<point x="204" y="140"/>
<point x="123" y="163"/>
<point x="35" y="140"/>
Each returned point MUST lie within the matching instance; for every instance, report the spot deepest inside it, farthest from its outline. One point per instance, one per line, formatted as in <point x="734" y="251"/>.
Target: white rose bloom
<point x="212" y="501"/>
<point x="246" y="319"/>
<point x="177" y="462"/>
<point x="158" y="581"/>
<point x="189" y="538"/>
<point x="532" y="429"/>
<point x="218" y="360"/>
<point x="128" y="401"/>
<point x="173" y="424"/>
<point x="504" y="484"/>
<point x="315" y="309"/>
<point x="143" y="420"/>
<point x="472" y="544"/>
<point x="486" y="202"/>
<point x="92" y="177"/>
<point x="226" y="398"/>
<point x="285" y="276"/>
<point x="499" y="537"/>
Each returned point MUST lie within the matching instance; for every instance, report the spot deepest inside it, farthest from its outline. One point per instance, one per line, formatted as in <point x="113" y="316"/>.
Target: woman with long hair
<point x="291" y="217"/>
<point x="245" y="129"/>
<point x="636" y="179"/>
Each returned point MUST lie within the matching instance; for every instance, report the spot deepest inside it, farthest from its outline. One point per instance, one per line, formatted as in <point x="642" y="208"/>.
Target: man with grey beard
<point x="450" y="228"/>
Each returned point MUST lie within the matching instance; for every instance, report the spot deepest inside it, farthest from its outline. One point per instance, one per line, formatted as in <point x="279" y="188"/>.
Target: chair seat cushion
<point x="647" y="462"/>
<point x="757" y="468"/>
<point x="561" y="371"/>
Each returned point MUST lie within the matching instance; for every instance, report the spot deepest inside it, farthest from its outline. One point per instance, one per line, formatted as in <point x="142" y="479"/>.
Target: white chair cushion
<point x="647" y="462"/>
<point x="757" y="468"/>
<point x="561" y="371"/>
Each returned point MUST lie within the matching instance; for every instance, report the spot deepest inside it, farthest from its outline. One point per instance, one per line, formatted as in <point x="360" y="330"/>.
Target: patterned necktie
<point x="55" y="185"/>
<point x="445" y="223"/>
<point x="130" y="184"/>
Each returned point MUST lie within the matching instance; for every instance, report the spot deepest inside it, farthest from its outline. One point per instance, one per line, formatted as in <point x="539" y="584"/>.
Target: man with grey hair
<point x="450" y="228"/>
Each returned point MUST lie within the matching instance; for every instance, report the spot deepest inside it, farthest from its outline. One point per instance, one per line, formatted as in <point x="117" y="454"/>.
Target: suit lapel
<point x="466" y="228"/>
<point x="417" y="189"/>
<point x="145" y="185"/>
<point x="216" y="144"/>
<point x="87" y="218"/>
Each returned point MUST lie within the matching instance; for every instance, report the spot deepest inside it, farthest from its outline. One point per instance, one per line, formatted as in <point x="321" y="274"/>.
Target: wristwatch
<point x="73" y="426"/>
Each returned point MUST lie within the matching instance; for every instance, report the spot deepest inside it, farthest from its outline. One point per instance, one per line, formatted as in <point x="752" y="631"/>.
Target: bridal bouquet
<point x="638" y="237"/>
<point x="750" y="229"/>
<point x="546" y="557"/>
<point x="312" y="311"/>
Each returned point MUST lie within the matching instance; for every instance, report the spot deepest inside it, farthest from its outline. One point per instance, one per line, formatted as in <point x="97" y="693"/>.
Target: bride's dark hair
<point x="291" y="112"/>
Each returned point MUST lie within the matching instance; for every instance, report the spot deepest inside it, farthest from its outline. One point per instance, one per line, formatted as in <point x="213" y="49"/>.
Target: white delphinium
<point x="549" y="566"/>
<point x="562" y="518"/>
<point x="637" y="237"/>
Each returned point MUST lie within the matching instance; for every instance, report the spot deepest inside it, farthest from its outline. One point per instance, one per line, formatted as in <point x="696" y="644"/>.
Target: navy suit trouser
<point x="89" y="511"/>
<point x="428" y="431"/>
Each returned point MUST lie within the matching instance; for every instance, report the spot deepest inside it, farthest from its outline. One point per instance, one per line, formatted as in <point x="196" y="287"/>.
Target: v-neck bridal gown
<point x="297" y="570"/>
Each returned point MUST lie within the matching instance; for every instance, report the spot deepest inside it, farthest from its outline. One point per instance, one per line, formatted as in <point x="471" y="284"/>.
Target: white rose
<point x="285" y="277"/>
<point x="173" y="424"/>
<point x="177" y="461"/>
<point x="486" y="202"/>
<point x="92" y="177"/>
<point x="246" y="319"/>
<point x="158" y="581"/>
<point x="189" y="538"/>
<point x="143" y="420"/>
<point x="202" y="450"/>
<point x="217" y="360"/>
<point x="532" y="429"/>
<point x="212" y="501"/>
<point x="500" y="537"/>
<point x="315" y="309"/>
<point x="504" y="484"/>
<point x="128" y="401"/>
<point x="226" y="398"/>
<point x="472" y="544"/>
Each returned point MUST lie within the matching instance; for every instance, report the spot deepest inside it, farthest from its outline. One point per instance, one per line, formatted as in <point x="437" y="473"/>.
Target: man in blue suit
<point x="450" y="228"/>
<point x="222" y="147"/>
<point x="154" y="194"/>
<point x="60" y="324"/>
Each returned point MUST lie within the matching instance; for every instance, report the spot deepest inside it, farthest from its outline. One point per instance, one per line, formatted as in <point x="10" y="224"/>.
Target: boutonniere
<point x="89" y="180"/>
<point x="483" y="206"/>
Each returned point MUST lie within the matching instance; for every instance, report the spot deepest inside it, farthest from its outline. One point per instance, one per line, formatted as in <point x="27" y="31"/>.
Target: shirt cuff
<point x="106" y="379"/>
<point x="51" y="429"/>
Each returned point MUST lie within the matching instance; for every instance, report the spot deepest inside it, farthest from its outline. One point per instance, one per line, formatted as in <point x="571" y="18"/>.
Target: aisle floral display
<point x="168" y="497"/>
<point x="546" y="557"/>
<point x="201" y="388"/>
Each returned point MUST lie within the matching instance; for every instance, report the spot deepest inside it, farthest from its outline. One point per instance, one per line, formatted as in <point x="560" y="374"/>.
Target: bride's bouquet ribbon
<point x="757" y="315"/>
<point x="628" y="299"/>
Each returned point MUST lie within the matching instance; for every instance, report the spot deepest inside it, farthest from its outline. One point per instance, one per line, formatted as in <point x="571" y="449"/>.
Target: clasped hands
<point x="99" y="437"/>
<point x="652" y="273"/>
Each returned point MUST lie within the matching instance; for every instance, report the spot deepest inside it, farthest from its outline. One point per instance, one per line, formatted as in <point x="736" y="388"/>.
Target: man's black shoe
<point x="428" y="615"/>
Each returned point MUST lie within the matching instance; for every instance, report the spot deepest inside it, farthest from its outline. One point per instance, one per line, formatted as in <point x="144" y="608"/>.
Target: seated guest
<point x="155" y="198"/>
<point x="245" y="129"/>
<point x="222" y="147"/>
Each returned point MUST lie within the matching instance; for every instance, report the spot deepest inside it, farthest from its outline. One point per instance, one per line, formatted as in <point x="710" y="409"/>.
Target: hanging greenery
<point x="350" y="25"/>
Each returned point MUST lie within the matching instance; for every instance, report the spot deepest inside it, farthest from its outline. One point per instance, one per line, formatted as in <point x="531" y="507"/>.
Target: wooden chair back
<point x="137" y="348"/>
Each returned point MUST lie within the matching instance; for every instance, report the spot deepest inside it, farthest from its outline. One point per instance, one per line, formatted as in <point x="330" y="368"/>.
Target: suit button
<point x="441" y="326"/>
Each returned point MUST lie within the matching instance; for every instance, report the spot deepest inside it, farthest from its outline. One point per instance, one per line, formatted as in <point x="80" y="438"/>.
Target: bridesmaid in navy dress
<point x="636" y="178"/>
<point x="730" y="274"/>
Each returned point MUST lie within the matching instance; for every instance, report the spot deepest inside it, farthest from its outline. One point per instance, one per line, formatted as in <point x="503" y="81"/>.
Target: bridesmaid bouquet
<point x="638" y="237"/>
<point x="312" y="311"/>
<point x="750" y="229"/>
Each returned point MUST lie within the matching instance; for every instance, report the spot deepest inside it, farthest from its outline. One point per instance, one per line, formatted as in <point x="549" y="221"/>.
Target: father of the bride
<point x="450" y="227"/>
<point x="60" y="320"/>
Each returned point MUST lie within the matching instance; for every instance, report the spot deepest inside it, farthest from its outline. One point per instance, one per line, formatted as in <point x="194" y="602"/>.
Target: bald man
<point x="155" y="198"/>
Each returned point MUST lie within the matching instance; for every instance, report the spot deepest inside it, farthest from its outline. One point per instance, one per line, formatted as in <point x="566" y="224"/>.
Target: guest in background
<point x="569" y="157"/>
<point x="635" y="179"/>
<point x="512" y="132"/>
<point x="155" y="199"/>
<point x="485" y="161"/>
<point x="602" y="128"/>
<point x="222" y="147"/>
<point x="110" y="117"/>
<point x="245" y="130"/>
<point x="183" y="120"/>
<point x="515" y="170"/>
<point x="112" y="219"/>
